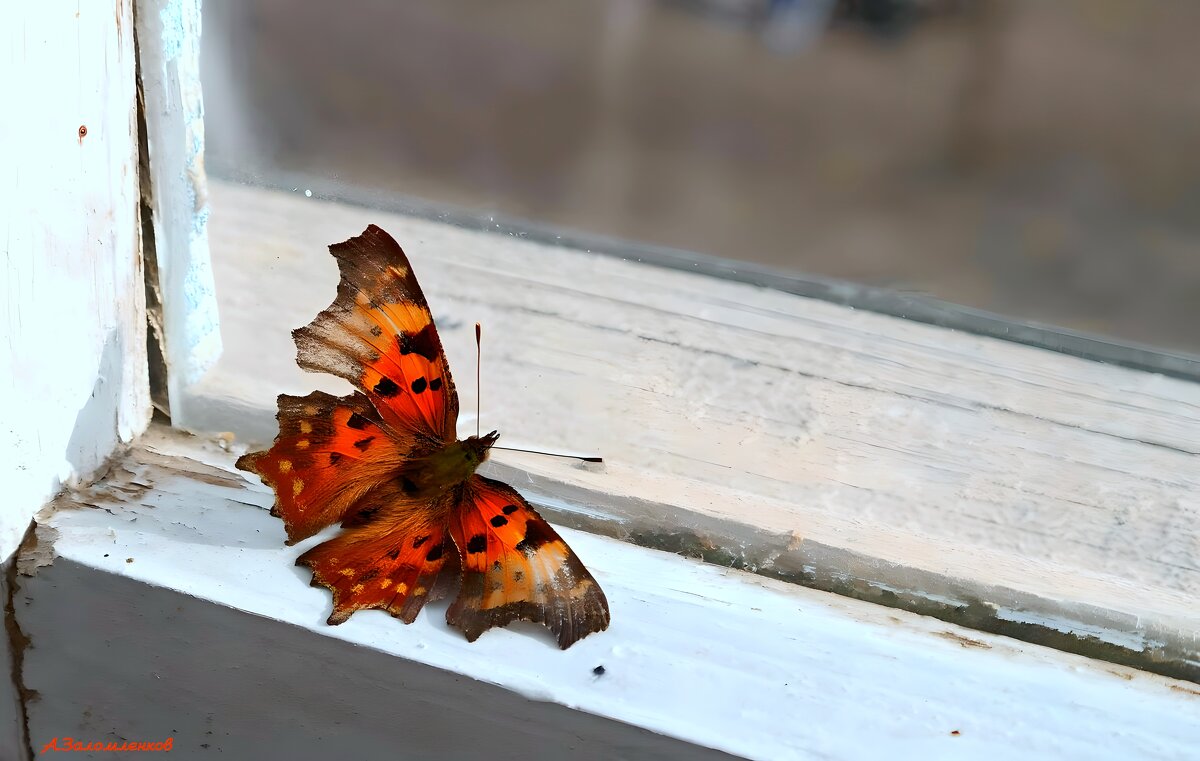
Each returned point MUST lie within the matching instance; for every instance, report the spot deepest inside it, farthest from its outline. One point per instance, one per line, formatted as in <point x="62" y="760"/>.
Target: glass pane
<point x="1039" y="160"/>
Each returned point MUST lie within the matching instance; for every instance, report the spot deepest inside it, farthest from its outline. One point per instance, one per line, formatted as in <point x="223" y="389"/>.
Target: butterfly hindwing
<point x="379" y="335"/>
<point x="333" y="456"/>
<point x="396" y="562"/>
<point x="516" y="567"/>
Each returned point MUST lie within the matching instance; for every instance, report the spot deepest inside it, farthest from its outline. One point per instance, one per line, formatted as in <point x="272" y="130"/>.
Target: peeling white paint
<point x="73" y="382"/>
<point x="169" y="42"/>
<point x="1128" y="640"/>
<point x="72" y="315"/>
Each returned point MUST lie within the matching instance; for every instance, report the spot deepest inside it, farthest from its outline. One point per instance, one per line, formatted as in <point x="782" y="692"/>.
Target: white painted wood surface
<point x="1006" y="487"/>
<point x="169" y="46"/>
<point x="72" y="317"/>
<point x="73" y="369"/>
<point x="202" y="629"/>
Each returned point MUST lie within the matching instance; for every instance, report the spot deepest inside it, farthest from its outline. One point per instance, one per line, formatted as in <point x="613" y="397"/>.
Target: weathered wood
<point x="1004" y="487"/>
<point x="175" y="195"/>
<point x="194" y="611"/>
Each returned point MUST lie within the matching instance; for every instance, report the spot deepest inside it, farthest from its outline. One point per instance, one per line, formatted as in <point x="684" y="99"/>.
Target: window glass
<point x="1034" y="159"/>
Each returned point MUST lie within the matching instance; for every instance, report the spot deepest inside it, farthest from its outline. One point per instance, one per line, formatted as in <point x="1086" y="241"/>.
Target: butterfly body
<point x="386" y="463"/>
<point x="431" y="476"/>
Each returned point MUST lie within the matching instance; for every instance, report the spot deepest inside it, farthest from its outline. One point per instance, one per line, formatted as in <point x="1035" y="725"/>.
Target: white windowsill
<point x="711" y="657"/>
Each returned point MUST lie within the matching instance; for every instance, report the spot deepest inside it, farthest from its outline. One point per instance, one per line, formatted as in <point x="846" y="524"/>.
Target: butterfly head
<point x="478" y="446"/>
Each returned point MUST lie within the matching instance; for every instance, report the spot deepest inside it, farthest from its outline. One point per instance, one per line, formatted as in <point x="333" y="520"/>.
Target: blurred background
<point x="1037" y="159"/>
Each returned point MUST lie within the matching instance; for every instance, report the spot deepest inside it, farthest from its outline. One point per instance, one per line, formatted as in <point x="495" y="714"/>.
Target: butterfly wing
<point x="342" y="458"/>
<point x="332" y="458"/>
<point x="379" y="334"/>
<point x="516" y="567"/>
<point x="398" y="561"/>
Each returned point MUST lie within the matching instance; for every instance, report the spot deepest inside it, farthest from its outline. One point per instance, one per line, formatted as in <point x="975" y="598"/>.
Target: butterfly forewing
<point x="379" y="335"/>
<point x="332" y="457"/>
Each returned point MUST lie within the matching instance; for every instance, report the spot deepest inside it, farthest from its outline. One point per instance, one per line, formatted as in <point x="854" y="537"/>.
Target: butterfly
<point x="386" y="462"/>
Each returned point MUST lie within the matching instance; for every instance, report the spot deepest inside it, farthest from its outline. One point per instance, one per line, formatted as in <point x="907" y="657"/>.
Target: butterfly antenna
<point x="552" y="454"/>
<point x="478" y="359"/>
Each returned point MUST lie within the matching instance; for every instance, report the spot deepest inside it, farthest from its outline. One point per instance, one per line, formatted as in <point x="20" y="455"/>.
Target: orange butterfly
<point x="387" y="463"/>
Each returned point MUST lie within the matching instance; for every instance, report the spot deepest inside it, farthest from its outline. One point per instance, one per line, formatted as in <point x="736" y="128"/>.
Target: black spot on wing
<point x="394" y="554"/>
<point x="435" y="553"/>
<point x="386" y="387"/>
<point x="509" y="509"/>
<point x="420" y="540"/>
<point x="435" y="384"/>
<point x="478" y="543"/>
<point x="419" y="385"/>
<point x="334" y="457"/>
<point x="362" y="444"/>
<point x="499" y="520"/>
<point x="424" y="342"/>
<point x="536" y="534"/>
<point x="357" y="422"/>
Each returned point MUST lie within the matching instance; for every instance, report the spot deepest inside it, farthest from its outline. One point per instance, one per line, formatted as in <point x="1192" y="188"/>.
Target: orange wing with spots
<point x="516" y="567"/>
<point x="333" y="458"/>
<point x="379" y="335"/>
<point x="344" y="459"/>
<point x="394" y="562"/>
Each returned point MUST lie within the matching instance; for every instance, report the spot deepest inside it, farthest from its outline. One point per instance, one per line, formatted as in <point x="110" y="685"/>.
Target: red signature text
<point x="71" y="744"/>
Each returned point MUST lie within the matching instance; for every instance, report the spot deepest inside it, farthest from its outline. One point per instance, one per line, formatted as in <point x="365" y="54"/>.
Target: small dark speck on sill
<point x="128" y="560"/>
<point x="599" y="670"/>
